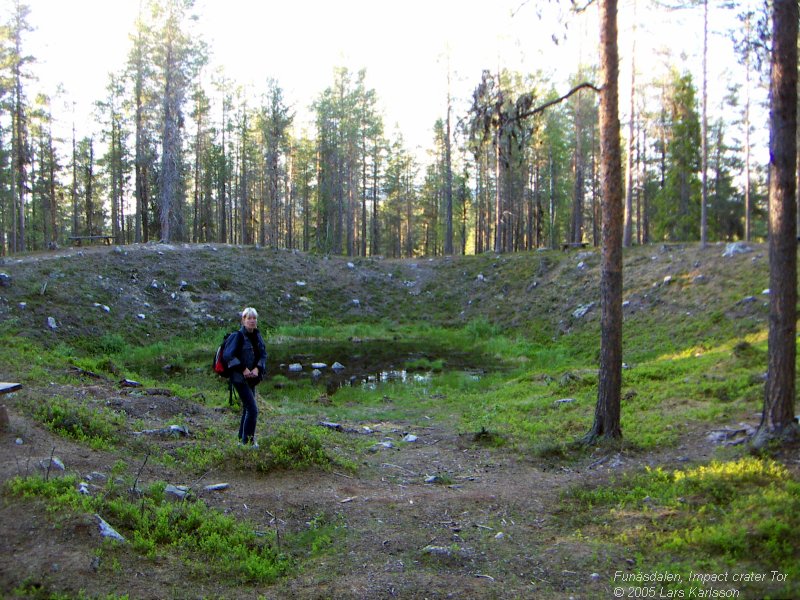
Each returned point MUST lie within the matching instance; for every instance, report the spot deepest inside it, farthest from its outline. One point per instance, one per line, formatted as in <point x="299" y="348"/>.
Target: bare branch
<point x="546" y="105"/>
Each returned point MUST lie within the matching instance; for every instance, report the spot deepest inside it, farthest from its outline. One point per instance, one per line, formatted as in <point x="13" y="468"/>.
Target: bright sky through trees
<point x="404" y="47"/>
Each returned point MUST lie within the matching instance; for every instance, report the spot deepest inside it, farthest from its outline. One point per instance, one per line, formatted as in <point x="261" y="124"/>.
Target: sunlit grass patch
<point x="740" y="512"/>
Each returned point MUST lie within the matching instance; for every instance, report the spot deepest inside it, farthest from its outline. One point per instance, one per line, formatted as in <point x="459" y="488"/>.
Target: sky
<point x="405" y="46"/>
<point x="299" y="43"/>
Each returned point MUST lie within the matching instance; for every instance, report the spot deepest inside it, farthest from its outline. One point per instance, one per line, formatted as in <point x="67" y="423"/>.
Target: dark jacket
<point x="243" y="350"/>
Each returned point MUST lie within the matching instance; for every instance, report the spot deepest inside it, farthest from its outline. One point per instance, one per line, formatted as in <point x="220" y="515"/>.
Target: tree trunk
<point x="627" y="239"/>
<point x="704" y="134"/>
<point x="607" y="412"/>
<point x="777" y="418"/>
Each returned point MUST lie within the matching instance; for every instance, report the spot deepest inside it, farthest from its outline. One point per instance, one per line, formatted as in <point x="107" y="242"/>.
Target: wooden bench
<point x="568" y="245"/>
<point x="79" y="239"/>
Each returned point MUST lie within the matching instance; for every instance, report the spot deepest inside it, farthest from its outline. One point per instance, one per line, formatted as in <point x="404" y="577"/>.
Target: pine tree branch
<point x="546" y="105"/>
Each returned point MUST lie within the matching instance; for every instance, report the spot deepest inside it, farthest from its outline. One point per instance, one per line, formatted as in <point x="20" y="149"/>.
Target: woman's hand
<point x="250" y="374"/>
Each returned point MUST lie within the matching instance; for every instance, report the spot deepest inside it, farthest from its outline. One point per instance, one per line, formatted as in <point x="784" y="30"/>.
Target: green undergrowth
<point x="736" y="516"/>
<point x="213" y="545"/>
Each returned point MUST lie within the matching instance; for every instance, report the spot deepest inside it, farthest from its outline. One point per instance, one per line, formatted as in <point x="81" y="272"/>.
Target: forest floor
<point x="491" y="526"/>
<point x="491" y="531"/>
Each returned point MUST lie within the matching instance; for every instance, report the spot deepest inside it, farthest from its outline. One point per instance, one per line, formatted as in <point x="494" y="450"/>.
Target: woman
<point x="245" y="355"/>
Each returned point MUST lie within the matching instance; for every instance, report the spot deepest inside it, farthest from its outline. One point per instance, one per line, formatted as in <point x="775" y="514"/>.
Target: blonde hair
<point x="249" y="311"/>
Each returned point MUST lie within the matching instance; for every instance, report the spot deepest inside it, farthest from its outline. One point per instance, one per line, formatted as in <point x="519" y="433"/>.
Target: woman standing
<point x="245" y="355"/>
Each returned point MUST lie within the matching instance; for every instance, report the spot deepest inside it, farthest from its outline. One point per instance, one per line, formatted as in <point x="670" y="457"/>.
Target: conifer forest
<point x="182" y="154"/>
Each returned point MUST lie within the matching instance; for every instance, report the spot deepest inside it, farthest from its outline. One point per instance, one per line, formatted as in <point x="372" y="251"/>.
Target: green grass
<point x="213" y="544"/>
<point x="731" y="516"/>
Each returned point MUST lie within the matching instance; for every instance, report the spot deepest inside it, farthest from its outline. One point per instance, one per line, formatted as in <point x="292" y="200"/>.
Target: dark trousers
<point x="247" y="424"/>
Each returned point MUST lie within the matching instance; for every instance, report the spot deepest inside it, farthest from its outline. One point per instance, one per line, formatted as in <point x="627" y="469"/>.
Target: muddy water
<point x="370" y="363"/>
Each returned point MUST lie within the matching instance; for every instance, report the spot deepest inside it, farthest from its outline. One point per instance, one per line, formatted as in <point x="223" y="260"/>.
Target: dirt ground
<point x="492" y="520"/>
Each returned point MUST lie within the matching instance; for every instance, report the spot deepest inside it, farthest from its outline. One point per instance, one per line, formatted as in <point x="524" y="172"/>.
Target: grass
<point x="731" y="517"/>
<point x="215" y="545"/>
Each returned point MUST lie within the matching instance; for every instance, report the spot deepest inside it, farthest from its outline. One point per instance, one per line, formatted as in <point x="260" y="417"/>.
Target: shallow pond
<point x="370" y="362"/>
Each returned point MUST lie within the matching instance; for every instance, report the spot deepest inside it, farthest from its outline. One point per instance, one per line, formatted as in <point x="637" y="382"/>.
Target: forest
<point x="187" y="156"/>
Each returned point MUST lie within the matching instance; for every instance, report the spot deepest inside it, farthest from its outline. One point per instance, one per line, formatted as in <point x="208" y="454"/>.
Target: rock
<point x="178" y="430"/>
<point x="381" y="445"/>
<point x="178" y="491"/>
<point x="319" y="365"/>
<point x="52" y="463"/>
<point x="217" y="487"/>
<point x="500" y="535"/>
<point x="735" y="248"/>
<point x="295" y="368"/>
<point x="140" y="316"/>
<point x="337" y="366"/>
<point x="107" y="531"/>
<point x="51" y="323"/>
<point x="582" y="310"/>
<point x="5" y="280"/>
<point x="564" y="401"/>
<point x="410" y="437"/>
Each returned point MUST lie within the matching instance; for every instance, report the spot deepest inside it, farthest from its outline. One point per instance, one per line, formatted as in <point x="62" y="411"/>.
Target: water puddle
<point x="369" y="363"/>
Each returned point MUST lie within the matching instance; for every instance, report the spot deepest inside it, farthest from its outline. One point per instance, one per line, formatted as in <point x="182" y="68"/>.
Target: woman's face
<point x="250" y="322"/>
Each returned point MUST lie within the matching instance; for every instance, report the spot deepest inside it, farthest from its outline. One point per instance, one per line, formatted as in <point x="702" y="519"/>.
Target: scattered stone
<point x="316" y="373"/>
<point x="52" y="463"/>
<point x="381" y="445"/>
<point x="107" y="531"/>
<point x="217" y="487"/>
<point x="337" y="366"/>
<point x="5" y="280"/>
<point x="582" y="310"/>
<point x="300" y="283"/>
<point x="22" y="305"/>
<point x="179" y="491"/>
<point x="735" y="248"/>
<point x="667" y="279"/>
<point x="356" y="302"/>
<point x="500" y="535"/>
<point x="433" y="479"/>
<point x="319" y="365"/>
<point x="410" y="437"/>
<point x="437" y="550"/>
<point x="700" y="279"/>
<point x="351" y="265"/>
<point x="595" y="577"/>
<point x="83" y="488"/>
<point x="564" y="401"/>
<point x="178" y="430"/>
<point x="19" y="441"/>
<point x="295" y="368"/>
<point x="130" y="383"/>
<point x="51" y="323"/>
<point x="140" y="316"/>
